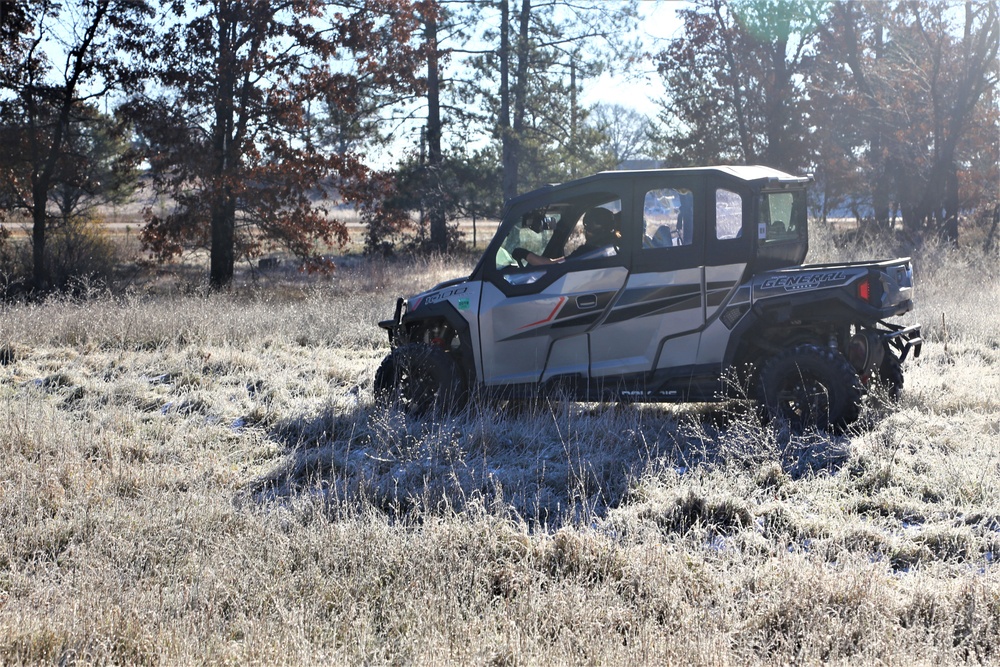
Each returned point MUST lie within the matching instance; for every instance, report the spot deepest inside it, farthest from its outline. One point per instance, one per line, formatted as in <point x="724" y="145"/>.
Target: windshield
<point x="533" y="233"/>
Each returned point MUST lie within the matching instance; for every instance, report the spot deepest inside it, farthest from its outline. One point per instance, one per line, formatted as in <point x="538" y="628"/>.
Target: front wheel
<point x="809" y="385"/>
<point x="422" y="379"/>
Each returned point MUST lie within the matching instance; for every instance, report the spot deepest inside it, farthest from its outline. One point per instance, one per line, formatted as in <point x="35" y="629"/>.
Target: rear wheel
<point x="422" y="379"/>
<point x="808" y="386"/>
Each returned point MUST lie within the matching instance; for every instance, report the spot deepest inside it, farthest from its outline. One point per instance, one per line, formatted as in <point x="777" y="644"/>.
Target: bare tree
<point x="67" y="55"/>
<point x="627" y="132"/>
<point x="531" y="76"/>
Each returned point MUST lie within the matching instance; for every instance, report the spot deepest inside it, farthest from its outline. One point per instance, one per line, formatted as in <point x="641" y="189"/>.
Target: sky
<point x="641" y="88"/>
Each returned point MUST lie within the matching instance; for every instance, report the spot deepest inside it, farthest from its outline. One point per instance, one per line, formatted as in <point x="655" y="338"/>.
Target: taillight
<point x="865" y="290"/>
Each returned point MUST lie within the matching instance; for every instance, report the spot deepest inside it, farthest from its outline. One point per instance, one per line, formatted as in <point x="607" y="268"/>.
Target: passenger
<point x="600" y="233"/>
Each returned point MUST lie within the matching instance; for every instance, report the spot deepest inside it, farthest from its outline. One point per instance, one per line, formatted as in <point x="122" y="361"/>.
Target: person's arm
<point x="525" y="256"/>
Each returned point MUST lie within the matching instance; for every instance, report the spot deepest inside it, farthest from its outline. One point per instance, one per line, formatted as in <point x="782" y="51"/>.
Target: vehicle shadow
<point x="549" y="464"/>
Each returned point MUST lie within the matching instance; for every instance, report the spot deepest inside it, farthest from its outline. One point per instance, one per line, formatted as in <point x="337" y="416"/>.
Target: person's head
<point x="599" y="226"/>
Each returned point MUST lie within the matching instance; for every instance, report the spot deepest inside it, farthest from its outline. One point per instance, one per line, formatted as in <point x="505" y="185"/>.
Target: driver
<point x="599" y="230"/>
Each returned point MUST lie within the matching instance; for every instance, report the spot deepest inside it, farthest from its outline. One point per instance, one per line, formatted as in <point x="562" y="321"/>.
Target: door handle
<point x="586" y="301"/>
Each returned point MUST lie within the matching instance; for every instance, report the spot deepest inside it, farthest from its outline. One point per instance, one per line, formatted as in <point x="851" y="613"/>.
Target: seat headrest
<point x="599" y="218"/>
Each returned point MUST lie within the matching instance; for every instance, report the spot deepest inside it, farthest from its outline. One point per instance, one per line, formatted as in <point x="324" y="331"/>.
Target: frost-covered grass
<point x="203" y="478"/>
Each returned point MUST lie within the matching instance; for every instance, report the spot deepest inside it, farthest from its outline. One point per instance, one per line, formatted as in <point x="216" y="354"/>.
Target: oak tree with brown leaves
<point x="229" y="136"/>
<point x="735" y="82"/>
<point x="912" y="88"/>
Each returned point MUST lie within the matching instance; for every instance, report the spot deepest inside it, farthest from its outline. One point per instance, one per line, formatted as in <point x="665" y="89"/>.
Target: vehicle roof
<point x="749" y="173"/>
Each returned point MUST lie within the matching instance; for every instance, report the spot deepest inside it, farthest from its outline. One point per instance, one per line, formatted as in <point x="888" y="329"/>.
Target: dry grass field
<point x="196" y="478"/>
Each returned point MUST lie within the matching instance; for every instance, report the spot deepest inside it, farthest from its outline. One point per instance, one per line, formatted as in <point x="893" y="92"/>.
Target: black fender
<point x="403" y="331"/>
<point x="811" y="320"/>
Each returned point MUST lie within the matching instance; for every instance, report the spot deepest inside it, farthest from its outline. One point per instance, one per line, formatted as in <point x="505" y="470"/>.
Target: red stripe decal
<point x="555" y="310"/>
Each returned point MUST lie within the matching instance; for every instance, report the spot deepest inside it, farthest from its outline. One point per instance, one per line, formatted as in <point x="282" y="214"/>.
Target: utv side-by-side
<point x="693" y="291"/>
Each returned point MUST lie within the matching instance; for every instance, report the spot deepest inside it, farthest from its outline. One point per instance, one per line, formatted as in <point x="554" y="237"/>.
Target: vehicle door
<point x="655" y="322"/>
<point x="729" y="237"/>
<point x="534" y="319"/>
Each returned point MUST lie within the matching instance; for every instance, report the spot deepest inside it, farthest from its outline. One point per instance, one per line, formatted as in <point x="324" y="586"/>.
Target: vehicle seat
<point x="664" y="237"/>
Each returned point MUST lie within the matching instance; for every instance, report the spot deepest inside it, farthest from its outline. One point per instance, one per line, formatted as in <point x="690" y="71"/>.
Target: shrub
<point x="80" y="250"/>
<point x="78" y="253"/>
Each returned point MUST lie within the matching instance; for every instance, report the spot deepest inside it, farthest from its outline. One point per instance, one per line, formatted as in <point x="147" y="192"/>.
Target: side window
<point x="728" y="214"/>
<point x="582" y="227"/>
<point x="668" y="218"/>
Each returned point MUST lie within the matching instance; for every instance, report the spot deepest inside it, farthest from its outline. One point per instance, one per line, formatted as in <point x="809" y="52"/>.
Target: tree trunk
<point x="223" y="259"/>
<point x="508" y="158"/>
<point x="881" y="184"/>
<point x="223" y="206"/>
<point x="950" y="230"/>
<point x="991" y="237"/>
<point x="574" y="120"/>
<point x="39" y="269"/>
<point x="521" y="83"/>
<point x="438" y="220"/>
<point x="777" y="122"/>
<point x="512" y="137"/>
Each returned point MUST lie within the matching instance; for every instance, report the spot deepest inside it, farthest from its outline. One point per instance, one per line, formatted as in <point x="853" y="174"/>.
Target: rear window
<point x="782" y="216"/>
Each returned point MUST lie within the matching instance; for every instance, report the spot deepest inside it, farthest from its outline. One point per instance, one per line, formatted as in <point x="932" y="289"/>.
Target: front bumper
<point x="392" y="326"/>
